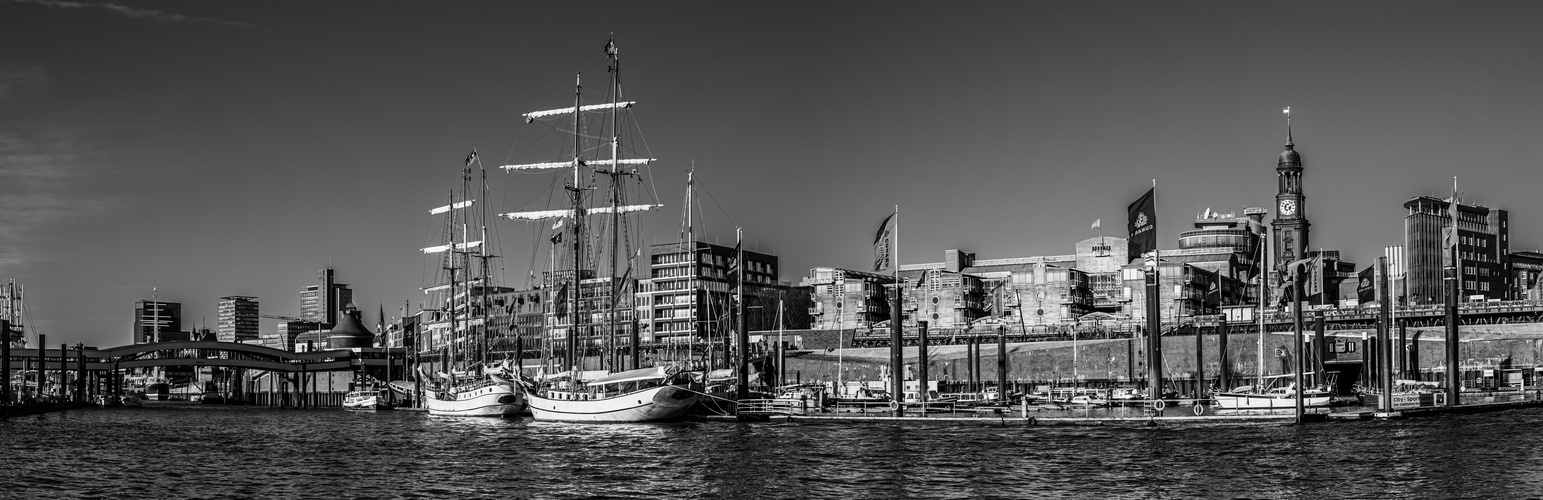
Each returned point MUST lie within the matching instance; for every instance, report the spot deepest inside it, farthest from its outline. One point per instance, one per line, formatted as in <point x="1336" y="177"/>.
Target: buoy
<point x="1159" y="405"/>
<point x="1199" y="409"/>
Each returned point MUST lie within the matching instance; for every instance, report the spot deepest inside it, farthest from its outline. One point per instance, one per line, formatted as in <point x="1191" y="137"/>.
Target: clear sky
<point x="213" y="148"/>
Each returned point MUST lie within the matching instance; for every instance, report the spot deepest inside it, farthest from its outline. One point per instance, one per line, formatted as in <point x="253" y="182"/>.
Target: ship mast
<point x="578" y="224"/>
<point x="610" y="332"/>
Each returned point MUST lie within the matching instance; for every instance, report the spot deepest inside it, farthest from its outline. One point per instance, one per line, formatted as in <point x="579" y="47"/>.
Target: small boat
<point x="131" y="400"/>
<point x="377" y="399"/>
<point x="1277" y="398"/>
<point x="105" y="400"/>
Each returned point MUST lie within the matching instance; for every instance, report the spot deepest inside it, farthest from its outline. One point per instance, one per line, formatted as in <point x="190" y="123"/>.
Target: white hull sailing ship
<point x="642" y="395"/>
<point x="637" y="395"/>
<point x="469" y="389"/>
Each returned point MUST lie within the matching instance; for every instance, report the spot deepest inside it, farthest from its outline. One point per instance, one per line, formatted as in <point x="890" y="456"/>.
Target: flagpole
<point x="896" y="359"/>
<point x="1155" y="340"/>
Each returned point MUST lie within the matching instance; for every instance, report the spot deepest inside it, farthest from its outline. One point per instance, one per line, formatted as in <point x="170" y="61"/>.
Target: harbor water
<point x="181" y="450"/>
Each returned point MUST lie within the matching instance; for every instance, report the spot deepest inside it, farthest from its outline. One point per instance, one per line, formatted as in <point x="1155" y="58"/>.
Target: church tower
<point x="1290" y="222"/>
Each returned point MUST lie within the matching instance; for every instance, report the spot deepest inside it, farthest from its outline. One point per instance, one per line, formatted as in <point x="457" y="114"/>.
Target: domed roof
<point x="349" y="332"/>
<point x="1290" y="157"/>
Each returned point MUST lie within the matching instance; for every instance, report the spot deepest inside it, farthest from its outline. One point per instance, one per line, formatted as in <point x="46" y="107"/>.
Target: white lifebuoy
<point x="894" y="405"/>
<point x="1158" y="404"/>
<point x="1199" y="409"/>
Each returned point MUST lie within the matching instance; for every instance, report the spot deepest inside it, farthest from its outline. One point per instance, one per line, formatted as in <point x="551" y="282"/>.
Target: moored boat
<point x="475" y="397"/>
<point x="1277" y="398"/>
<point x="643" y="395"/>
<point x="367" y="400"/>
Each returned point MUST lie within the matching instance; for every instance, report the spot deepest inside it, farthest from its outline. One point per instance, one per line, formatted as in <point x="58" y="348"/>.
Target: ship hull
<point x="649" y="405"/>
<point x="495" y="400"/>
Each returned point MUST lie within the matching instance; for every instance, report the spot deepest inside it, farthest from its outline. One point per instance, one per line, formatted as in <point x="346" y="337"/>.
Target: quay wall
<point x="1481" y="347"/>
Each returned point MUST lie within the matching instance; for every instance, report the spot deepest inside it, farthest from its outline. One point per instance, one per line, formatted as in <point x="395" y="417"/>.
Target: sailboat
<point x="466" y="386"/>
<point x="641" y="394"/>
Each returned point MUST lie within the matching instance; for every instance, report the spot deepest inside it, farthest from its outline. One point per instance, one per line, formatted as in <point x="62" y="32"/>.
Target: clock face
<point x="1288" y="207"/>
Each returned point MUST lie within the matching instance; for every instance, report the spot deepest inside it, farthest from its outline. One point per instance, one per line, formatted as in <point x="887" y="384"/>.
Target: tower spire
<point x="1288" y="126"/>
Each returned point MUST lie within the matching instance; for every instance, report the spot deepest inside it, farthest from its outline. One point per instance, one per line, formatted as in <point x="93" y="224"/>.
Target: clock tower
<point x="1290" y="222"/>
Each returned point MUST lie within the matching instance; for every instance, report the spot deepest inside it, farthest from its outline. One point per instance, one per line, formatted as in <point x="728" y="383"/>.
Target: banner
<point x="881" y="243"/>
<point x="1143" y="225"/>
<point x="1366" y="285"/>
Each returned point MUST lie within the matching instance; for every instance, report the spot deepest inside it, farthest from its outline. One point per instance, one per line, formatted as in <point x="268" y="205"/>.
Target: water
<point x="180" y="450"/>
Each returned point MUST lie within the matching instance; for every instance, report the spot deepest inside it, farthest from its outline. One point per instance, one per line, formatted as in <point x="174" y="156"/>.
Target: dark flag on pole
<point x="734" y="264"/>
<point x="471" y="157"/>
<point x="1366" y="285"/>
<point x="881" y="245"/>
<point x="1142" y="225"/>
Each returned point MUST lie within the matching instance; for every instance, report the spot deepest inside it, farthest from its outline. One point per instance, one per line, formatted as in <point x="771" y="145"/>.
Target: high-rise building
<point x="237" y="319"/>
<point x="322" y="301"/>
<point x="689" y="289"/>
<point x="1484" y="248"/>
<point x="157" y="321"/>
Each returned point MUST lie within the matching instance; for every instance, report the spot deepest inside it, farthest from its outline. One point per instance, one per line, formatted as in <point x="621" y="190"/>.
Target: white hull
<point x="1265" y="402"/>
<point x="364" y="402"/>
<point x="495" y="400"/>
<point x="648" y="405"/>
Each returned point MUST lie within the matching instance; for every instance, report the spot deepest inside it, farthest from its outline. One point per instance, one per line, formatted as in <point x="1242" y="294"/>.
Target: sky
<point x="215" y="148"/>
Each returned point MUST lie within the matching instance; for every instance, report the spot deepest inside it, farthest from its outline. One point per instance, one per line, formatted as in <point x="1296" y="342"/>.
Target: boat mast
<point x="482" y="342"/>
<point x="450" y="337"/>
<point x="610" y="337"/>
<point x="578" y="223"/>
<point x="691" y="244"/>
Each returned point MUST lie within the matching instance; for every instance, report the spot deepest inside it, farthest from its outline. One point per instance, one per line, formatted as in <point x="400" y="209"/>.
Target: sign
<point x="1402" y="401"/>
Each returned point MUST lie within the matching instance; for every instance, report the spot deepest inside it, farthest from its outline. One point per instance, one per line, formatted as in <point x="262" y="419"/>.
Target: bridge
<point x="96" y="371"/>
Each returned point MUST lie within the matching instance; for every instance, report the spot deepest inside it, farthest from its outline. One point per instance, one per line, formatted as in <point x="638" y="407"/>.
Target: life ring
<point x="1199" y="409"/>
<point x="1033" y="421"/>
<point x="894" y="405"/>
<point x="1158" y="404"/>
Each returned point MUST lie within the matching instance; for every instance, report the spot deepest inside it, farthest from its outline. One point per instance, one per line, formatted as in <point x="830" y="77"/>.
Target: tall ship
<point x="460" y="378"/>
<point x="618" y="389"/>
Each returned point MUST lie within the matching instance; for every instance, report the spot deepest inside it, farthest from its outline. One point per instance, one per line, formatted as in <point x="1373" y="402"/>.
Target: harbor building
<point x="157" y="321"/>
<point x="596" y="314"/>
<point x="1526" y="269"/>
<point x="517" y="314"/>
<point x="237" y="319"/>
<point x="688" y="295"/>
<point x="1022" y="291"/>
<point x="1484" y="244"/>
<point x="846" y="299"/>
<point x="323" y="300"/>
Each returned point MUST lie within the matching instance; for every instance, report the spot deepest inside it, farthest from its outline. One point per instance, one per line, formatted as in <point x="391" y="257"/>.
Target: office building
<point x="1484" y="244"/>
<point x="237" y="320"/>
<point x="157" y="322"/>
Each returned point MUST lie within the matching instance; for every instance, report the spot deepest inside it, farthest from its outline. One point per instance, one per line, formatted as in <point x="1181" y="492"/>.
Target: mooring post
<point x="64" y="374"/>
<point x="1320" y="348"/>
<point x="81" y="392"/>
<point x="1002" y="364"/>
<point x="5" y="362"/>
<point x="921" y="360"/>
<point x="1223" y="369"/>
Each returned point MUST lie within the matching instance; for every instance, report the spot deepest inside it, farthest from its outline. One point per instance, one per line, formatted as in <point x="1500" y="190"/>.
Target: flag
<point x="557" y="231"/>
<point x="734" y="266"/>
<point x="1366" y="285"/>
<point x="1450" y="237"/>
<point x="610" y="48"/>
<point x="1097" y="223"/>
<point x="921" y="279"/>
<point x="1143" y="225"/>
<point x="471" y="157"/>
<point x="561" y="304"/>
<point x="881" y="243"/>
